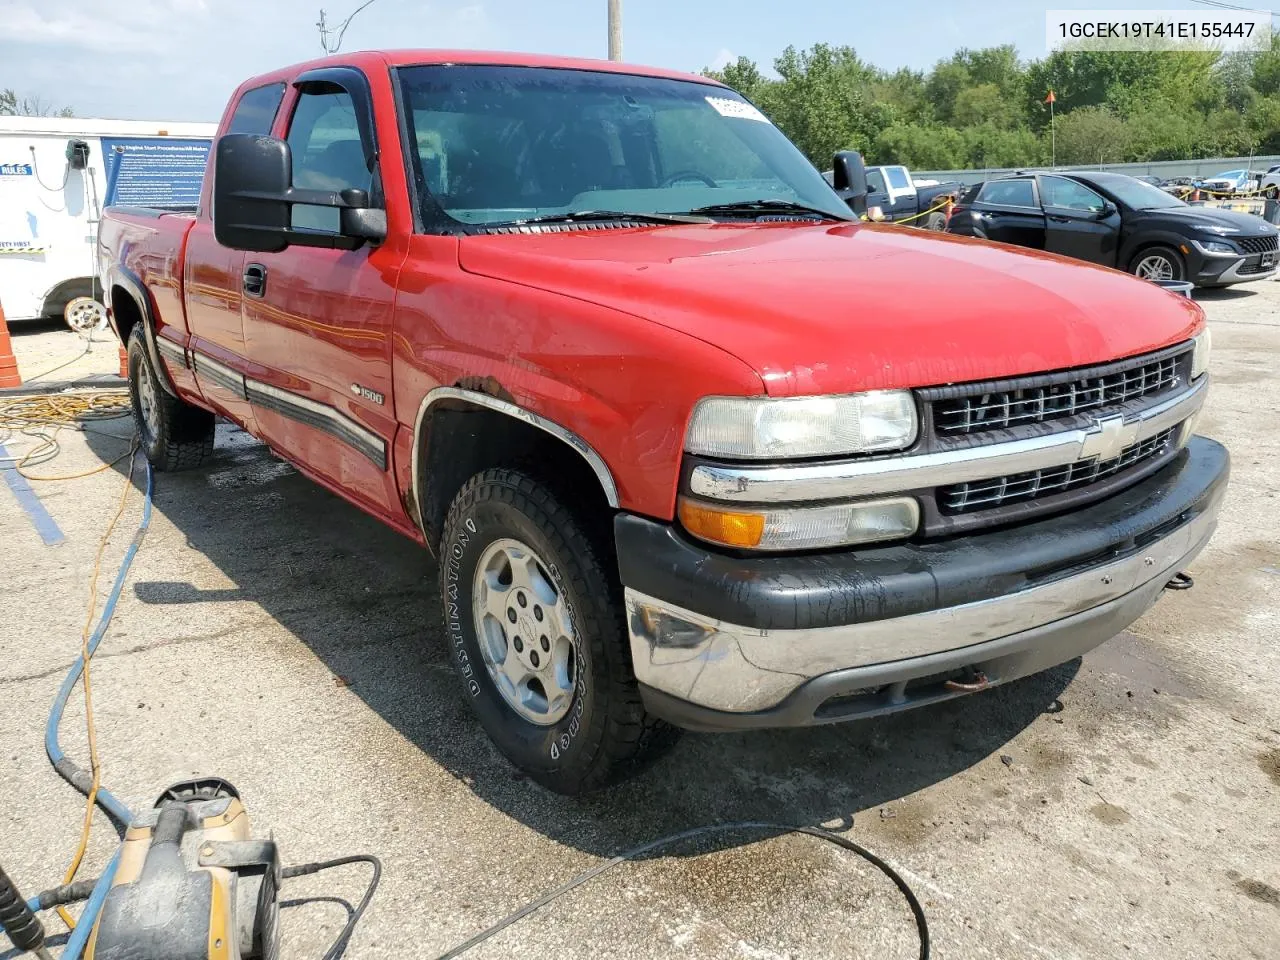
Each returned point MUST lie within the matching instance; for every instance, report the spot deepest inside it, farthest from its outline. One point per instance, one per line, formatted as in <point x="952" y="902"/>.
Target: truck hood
<point x="817" y="308"/>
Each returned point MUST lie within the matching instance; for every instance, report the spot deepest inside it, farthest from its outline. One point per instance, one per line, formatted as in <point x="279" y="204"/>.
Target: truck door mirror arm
<point x="254" y="196"/>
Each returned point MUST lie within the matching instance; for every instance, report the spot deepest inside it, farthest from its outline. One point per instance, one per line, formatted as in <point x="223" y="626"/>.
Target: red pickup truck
<point x="694" y="447"/>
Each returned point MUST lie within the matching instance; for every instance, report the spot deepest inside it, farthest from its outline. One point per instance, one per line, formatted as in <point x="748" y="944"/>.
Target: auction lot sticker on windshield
<point x="1221" y="29"/>
<point x="728" y="107"/>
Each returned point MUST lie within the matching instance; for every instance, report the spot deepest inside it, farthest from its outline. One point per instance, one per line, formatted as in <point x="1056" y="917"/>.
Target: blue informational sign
<point x="154" y="171"/>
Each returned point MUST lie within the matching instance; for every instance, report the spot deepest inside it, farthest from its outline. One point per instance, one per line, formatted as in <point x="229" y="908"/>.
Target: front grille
<point x="1259" y="244"/>
<point x="1254" y="268"/>
<point x="999" y="491"/>
<point x="997" y="408"/>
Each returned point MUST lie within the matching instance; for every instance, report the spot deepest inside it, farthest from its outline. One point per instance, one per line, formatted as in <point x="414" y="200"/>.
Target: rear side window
<point x="327" y="153"/>
<point x="256" y="111"/>
<point x="1009" y="193"/>
<point x="898" y="178"/>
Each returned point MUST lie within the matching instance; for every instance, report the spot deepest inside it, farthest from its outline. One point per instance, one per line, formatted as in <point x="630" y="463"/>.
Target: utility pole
<point x="615" y="29"/>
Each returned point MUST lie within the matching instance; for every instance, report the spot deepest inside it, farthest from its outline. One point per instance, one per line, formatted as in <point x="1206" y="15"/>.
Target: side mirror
<point x="1107" y="210"/>
<point x="849" y="177"/>
<point x="254" y="196"/>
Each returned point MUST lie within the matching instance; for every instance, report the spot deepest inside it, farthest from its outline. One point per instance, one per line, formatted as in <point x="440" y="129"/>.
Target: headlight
<point x="801" y="528"/>
<point x="1200" y="355"/>
<point x="1217" y="246"/>
<point x="759" y="428"/>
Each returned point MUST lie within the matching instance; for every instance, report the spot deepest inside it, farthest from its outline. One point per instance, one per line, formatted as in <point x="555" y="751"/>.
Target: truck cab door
<point x="317" y="320"/>
<point x="877" y="190"/>
<point x="212" y="280"/>
<point x="1079" y="222"/>
<point x="903" y="198"/>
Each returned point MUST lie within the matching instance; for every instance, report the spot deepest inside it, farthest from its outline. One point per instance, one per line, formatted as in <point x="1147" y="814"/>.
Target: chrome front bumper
<point x="708" y="672"/>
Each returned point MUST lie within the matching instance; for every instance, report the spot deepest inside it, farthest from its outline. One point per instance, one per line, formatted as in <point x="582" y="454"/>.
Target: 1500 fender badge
<point x="368" y="394"/>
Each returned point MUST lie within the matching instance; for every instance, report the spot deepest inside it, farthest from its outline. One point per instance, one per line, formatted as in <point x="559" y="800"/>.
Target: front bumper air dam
<point x="723" y="643"/>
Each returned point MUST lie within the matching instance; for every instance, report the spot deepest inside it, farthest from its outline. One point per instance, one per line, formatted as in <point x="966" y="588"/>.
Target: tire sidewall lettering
<point x="467" y="539"/>
<point x="453" y="609"/>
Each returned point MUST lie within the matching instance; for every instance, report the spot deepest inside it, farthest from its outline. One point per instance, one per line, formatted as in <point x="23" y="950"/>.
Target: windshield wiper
<point x="588" y="216"/>
<point x="766" y="205"/>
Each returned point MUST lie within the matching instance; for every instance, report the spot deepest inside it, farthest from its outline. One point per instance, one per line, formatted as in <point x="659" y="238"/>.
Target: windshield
<point x="1138" y="195"/>
<point x="499" y="144"/>
<point x="1228" y="175"/>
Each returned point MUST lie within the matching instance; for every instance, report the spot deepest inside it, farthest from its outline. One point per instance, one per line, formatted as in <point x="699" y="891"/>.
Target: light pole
<point x="615" y="29"/>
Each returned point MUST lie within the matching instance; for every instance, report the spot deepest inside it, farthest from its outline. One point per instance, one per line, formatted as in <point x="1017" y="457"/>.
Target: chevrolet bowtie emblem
<point x="1108" y="437"/>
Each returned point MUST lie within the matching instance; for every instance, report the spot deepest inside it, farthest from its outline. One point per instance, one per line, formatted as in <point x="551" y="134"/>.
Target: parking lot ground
<point x="1123" y="806"/>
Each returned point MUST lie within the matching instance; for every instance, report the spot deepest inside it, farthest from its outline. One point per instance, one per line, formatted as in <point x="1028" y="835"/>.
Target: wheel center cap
<point x="528" y="631"/>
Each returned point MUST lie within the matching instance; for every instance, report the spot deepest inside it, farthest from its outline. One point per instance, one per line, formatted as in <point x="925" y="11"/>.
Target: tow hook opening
<point x="1180" y="581"/>
<point x="970" y="682"/>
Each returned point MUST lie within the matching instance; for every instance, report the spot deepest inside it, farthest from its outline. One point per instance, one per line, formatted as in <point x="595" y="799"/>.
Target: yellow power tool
<point x="192" y="884"/>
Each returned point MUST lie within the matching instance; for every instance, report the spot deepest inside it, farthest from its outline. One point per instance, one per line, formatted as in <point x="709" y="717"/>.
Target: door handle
<point x="1060" y="219"/>
<point x="255" y="280"/>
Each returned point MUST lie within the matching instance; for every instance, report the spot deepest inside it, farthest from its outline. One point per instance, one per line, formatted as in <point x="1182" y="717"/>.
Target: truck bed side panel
<point x="147" y="247"/>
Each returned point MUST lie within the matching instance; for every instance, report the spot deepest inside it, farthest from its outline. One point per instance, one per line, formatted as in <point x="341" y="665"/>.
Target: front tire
<point x="174" y="435"/>
<point x="535" y="619"/>
<point x="1158" y="263"/>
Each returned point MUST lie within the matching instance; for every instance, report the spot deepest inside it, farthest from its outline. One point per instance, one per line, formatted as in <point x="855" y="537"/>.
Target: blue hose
<point x="69" y="771"/>
<point x="78" y="777"/>
<point x="84" y="926"/>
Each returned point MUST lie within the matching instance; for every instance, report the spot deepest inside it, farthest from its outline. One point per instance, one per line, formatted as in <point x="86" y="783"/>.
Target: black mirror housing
<point x="252" y="176"/>
<point x="254" y="196"/>
<point x="849" y="177"/>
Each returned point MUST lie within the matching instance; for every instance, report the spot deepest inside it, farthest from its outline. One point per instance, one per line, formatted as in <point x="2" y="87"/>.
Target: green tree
<point x="985" y="103"/>
<point x="823" y="100"/>
<point x="12" y="105"/>
<point x="1263" y="118"/>
<point x="1092" y="135"/>
<point x="985" y="107"/>
<point x="926" y="146"/>
<point x="744" y="76"/>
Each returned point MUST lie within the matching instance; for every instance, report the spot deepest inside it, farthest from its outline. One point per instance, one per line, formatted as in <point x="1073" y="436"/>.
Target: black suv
<point x="1119" y="221"/>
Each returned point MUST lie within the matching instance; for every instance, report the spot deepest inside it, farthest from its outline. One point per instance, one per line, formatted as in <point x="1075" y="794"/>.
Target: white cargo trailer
<point x="56" y="175"/>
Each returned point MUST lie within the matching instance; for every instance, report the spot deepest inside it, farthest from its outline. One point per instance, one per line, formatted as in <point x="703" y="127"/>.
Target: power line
<point x="339" y="30"/>
<point x="1233" y="6"/>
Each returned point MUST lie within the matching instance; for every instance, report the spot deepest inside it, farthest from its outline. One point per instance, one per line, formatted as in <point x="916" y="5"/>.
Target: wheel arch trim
<point x="119" y="276"/>
<point x="568" y="437"/>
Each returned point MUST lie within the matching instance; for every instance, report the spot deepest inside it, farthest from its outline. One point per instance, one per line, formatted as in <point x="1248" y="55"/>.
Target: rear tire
<point x="1158" y="263"/>
<point x="174" y="435"/>
<point x="936" y="221"/>
<point x="513" y="560"/>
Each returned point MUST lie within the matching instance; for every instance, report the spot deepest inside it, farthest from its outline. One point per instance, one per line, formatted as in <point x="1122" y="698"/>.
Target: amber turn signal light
<point x="730" y="527"/>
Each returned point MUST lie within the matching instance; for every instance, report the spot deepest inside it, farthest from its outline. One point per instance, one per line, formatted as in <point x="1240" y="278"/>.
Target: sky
<point x="180" y="59"/>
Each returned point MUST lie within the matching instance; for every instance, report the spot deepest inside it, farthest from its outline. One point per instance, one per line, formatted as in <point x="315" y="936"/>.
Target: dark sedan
<point x="1119" y="221"/>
